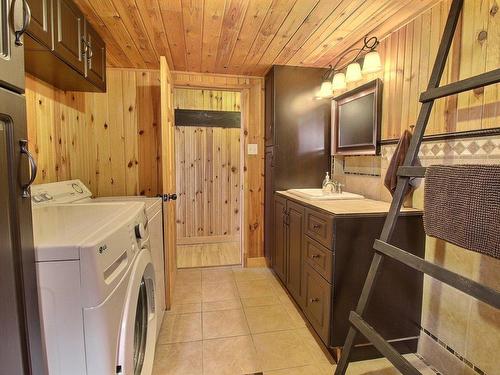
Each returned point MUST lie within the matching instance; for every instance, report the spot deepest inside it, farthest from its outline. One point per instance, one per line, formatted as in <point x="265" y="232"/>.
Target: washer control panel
<point x="59" y="192"/>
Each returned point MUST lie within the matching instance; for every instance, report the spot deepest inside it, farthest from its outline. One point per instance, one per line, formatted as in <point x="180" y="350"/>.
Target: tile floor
<point x="241" y="321"/>
<point x="208" y="255"/>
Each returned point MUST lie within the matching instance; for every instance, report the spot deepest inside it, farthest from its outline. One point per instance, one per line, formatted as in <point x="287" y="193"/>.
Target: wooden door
<point x="294" y="256"/>
<point x="167" y="161"/>
<point x="68" y="33"/>
<point x="95" y="57"/>
<point x="11" y="54"/>
<point x="41" y="23"/>
<point x="280" y="240"/>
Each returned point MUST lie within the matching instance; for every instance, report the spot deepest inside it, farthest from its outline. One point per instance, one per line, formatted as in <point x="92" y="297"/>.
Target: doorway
<point x="208" y="177"/>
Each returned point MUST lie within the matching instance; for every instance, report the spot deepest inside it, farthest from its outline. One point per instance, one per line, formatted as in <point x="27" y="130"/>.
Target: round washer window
<point x="141" y="328"/>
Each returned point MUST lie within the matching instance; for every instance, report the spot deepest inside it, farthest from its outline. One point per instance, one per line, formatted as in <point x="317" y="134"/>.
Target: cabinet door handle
<point x="316" y="256"/>
<point x="26" y="23"/>
<point x="313" y="300"/>
<point x="316" y="226"/>
<point x="25" y="188"/>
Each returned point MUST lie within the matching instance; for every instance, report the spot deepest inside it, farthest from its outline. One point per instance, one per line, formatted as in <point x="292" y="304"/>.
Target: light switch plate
<point x="252" y="149"/>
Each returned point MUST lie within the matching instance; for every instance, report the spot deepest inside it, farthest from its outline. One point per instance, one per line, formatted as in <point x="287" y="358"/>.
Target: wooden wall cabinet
<point x="323" y="259"/>
<point x="63" y="49"/>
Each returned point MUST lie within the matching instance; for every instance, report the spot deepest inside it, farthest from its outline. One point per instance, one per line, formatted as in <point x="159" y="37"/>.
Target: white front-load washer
<point x="96" y="288"/>
<point x="75" y="191"/>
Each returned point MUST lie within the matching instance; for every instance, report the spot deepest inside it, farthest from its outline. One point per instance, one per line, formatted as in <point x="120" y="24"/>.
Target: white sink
<point x="318" y="195"/>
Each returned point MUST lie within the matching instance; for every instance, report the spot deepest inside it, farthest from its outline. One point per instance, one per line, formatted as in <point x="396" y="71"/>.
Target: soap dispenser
<point x="326" y="180"/>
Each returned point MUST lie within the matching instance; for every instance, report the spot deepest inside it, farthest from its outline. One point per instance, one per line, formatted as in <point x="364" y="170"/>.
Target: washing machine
<point x="75" y="191"/>
<point x="96" y="285"/>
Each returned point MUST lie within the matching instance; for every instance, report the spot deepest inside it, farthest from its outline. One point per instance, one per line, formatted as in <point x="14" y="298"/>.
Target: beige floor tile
<point x="382" y="366"/>
<point x="255" y="288"/>
<point x="318" y="352"/>
<point x="220" y="291"/>
<point x="212" y="275"/>
<point x="188" y="276"/>
<point x="304" y="370"/>
<point x="187" y="293"/>
<point x="260" y="301"/>
<point x="180" y="328"/>
<point x="230" y="356"/>
<point x="269" y="319"/>
<point x="280" y="350"/>
<point x="230" y="304"/>
<point x="224" y="323"/>
<point x="178" y="308"/>
<point x="294" y="313"/>
<point x="179" y="359"/>
<point x="248" y="274"/>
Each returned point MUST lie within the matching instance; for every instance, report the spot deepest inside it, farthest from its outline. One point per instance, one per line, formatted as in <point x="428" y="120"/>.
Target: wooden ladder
<point x="405" y="172"/>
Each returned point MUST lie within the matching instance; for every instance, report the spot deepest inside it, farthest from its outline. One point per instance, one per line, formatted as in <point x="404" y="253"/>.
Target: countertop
<point x="349" y="206"/>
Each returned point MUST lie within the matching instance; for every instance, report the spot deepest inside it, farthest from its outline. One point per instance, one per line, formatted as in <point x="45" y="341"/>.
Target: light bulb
<point x="353" y="72"/>
<point x="326" y="89"/>
<point x="338" y="82"/>
<point x="372" y="63"/>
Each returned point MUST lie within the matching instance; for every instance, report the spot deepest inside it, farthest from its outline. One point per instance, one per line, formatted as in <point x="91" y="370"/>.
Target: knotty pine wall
<point x="108" y="140"/>
<point x="208" y="170"/>
<point x="408" y="55"/>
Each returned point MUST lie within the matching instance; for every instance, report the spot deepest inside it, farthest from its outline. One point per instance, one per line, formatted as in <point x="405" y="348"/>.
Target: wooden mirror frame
<point x="373" y="148"/>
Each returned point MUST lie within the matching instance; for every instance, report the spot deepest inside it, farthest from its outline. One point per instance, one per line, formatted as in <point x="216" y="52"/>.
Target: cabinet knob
<point x="316" y="226"/>
<point x="312" y="300"/>
<point x="316" y="256"/>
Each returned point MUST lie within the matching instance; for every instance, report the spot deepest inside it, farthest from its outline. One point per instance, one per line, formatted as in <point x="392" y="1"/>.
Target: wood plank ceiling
<point x="240" y="36"/>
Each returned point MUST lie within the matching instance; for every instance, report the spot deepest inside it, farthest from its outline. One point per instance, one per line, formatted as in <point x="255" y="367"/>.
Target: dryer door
<point x="138" y="329"/>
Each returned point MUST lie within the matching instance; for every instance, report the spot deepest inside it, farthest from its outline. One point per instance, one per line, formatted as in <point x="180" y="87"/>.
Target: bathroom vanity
<point x="322" y="252"/>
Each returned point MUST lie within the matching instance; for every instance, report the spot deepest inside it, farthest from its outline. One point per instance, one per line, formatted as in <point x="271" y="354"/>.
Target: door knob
<point x="168" y="197"/>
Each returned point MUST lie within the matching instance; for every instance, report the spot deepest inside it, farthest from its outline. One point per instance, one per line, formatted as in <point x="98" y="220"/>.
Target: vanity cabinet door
<point x="317" y="296"/>
<point x="295" y="228"/>
<point x="280" y="240"/>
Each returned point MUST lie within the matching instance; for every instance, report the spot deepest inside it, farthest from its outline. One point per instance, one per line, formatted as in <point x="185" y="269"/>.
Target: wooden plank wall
<point x="408" y="55"/>
<point x="252" y="114"/>
<point x="109" y="140"/>
<point x="208" y="171"/>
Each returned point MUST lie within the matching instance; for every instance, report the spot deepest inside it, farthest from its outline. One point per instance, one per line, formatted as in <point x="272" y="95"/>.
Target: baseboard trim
<point x="206" y="239"/>
<point x="256" y="262"/>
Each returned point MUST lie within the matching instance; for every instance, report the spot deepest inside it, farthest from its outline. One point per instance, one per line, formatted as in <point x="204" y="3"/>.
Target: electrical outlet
<point x="252" y="149"/>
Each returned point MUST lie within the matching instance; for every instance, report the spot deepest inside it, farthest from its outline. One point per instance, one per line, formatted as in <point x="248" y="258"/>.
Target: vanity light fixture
<point x="335" y="79"/>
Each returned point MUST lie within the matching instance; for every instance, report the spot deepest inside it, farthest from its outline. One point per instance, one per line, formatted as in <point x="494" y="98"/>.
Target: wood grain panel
<point x="240" y="36"/>
<point x="208" y="169"/>
<point x="252" y="176"/>
<point x="208" y="181"/>
<point x="109" y="140"/>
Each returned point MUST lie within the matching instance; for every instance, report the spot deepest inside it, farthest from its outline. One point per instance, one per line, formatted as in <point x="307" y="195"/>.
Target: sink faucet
<point x="332" y="186"/>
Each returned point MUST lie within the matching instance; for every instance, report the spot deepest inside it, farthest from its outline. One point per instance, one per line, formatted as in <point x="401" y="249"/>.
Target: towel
<point x="391" y="177"/>
<point x="462" y="206"/>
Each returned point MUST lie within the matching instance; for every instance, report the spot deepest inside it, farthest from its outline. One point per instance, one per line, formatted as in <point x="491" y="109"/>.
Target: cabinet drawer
<point x="318" y="257"/>
<point x="318" y="294"/>
<point x="319" y="226"/>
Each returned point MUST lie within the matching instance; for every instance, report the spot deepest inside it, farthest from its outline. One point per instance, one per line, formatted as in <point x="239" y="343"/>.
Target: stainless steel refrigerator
<point x="21" y="349"/>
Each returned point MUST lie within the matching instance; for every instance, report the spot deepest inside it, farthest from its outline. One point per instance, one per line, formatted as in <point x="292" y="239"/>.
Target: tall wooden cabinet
<point x="292" y="115"/>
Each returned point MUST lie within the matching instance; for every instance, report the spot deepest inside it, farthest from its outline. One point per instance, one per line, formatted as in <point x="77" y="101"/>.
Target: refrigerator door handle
<point x="26" y="23"/>
<point x="25" y="188"/>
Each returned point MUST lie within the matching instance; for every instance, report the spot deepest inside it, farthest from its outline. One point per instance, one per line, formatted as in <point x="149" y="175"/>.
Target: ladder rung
<point x="386" y="349"/>
<point x="470" y="287"/>
<point x="471" y="83"/>
<point x="411" y="171"/>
